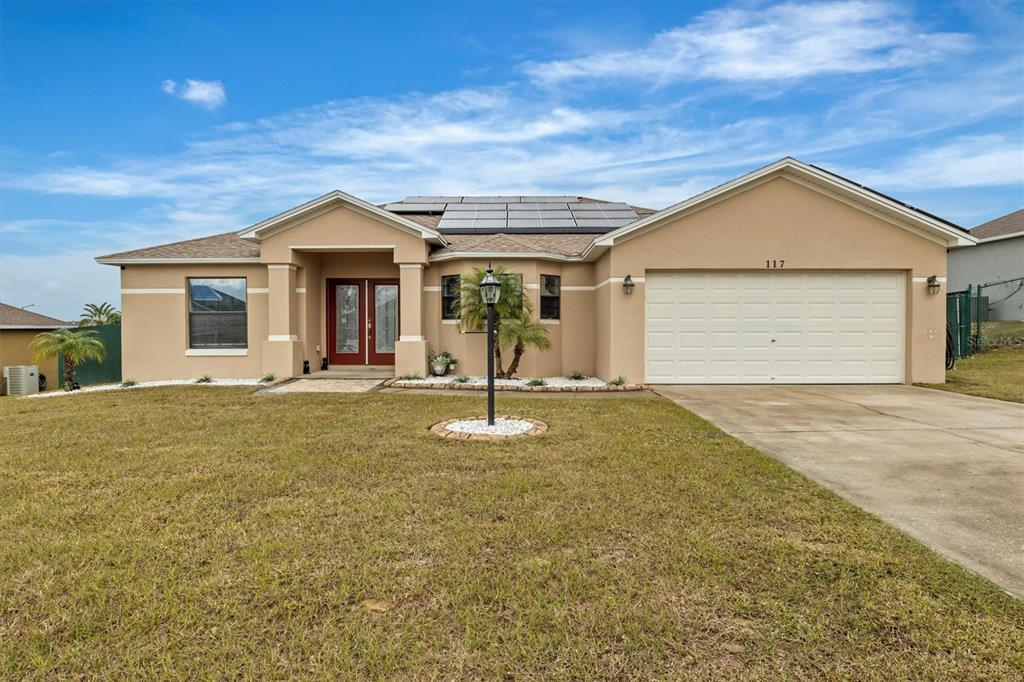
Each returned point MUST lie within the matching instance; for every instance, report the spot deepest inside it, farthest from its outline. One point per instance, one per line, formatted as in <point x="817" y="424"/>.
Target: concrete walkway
<point x="324" y="386"/>
<point x="946" y="468"/>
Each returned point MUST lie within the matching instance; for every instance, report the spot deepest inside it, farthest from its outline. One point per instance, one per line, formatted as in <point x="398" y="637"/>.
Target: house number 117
<point x="774" y="264"/>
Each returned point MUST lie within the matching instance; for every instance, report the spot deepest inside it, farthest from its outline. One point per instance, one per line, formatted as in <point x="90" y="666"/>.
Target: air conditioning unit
<point x="22" y="379"/>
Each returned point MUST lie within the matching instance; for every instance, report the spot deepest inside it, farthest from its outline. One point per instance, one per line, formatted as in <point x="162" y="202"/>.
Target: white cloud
<point x="970" y="161"/>
<point x="207" y="94"/>
<point x="757" y="43"/>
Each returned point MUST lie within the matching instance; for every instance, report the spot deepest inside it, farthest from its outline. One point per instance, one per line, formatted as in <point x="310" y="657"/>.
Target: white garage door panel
<point x="784" y="328"/>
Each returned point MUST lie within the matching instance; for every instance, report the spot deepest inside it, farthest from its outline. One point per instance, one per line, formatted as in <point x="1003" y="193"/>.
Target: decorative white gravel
<point x="145" y="384"/>
<point x="502" y="427"/>
<point x="482" y="381"/>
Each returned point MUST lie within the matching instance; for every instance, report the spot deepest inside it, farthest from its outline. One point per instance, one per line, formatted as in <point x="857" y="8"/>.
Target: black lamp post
<point x="490" y="291"/>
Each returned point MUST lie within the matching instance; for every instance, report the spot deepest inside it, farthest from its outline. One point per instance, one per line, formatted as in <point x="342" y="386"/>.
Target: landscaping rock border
<point x="456" y="386"/>
<point x="441" y="429"/>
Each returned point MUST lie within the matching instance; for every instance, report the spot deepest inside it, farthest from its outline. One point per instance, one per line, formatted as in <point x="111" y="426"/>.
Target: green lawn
<point x="997" y="373"/>
<point x="207" y="532"/>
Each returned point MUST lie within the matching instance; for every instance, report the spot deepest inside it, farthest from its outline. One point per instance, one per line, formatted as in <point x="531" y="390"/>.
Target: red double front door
<point x="362" y="321"/>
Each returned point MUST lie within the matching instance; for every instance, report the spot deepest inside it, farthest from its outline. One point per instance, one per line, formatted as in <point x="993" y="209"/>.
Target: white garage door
<point x="775" y="328"/>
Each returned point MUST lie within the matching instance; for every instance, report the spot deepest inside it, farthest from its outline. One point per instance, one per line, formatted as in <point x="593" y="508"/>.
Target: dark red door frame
<point x="333" y="357"/>
<point x="373" y="356"/>
<point x="366" y="324"/>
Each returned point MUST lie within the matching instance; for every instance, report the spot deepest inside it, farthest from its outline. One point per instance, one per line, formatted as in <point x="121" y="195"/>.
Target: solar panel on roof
<point x="472" y="223"/>
<point x="604" y="222"/>
<point x="477" y="207"/>
<point x="404" y="207"/>
<point x="544" y="199"/>
<point x="537" y="215"/>
<point x="542" y="222"/>
<point x="431" y="200"/>
<point x="604" y="214"/>
<point x="490" y="200"/>
<point x="540" y="206"/>
<point x="603" y="206"/>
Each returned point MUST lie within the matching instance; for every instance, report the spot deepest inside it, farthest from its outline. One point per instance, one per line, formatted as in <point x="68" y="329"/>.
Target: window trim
<point x="557" y="297"/>
<point x="445" y="311"/>
<point x="215" y="350"/>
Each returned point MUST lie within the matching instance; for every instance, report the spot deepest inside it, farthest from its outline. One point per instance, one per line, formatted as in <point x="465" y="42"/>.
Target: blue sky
<point x="126" y="125"/>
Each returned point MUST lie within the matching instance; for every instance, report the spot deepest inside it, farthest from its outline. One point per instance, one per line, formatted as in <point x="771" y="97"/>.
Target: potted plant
<point x="441" y="362"/>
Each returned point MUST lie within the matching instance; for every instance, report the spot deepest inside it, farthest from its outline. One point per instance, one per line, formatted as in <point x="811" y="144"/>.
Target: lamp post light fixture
<point x="933" y="284"/>
<point x="627" y="285"/>
<point x="490" y="292"/>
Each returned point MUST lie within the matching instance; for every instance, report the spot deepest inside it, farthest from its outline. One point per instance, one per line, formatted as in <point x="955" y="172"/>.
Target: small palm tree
<point x="94" y="315"/>
<point x="510" y="305"/>
<point x="75" y="347"/>
<point x="522" y="333"/>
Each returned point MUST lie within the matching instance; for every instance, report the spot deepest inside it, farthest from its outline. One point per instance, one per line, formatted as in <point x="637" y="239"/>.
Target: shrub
<point x="205" y="379"/>
<point x="461" y="379"/>
<point x="536" y="382"/>
<point x="128" y="383"/>
<point x="577" y="376"/>
<point x="618" y="381"/>
<point x="267" y="378"/>
<point x="409" y="377"/>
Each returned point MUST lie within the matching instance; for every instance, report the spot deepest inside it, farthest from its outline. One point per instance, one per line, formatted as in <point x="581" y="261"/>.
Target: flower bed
<point x="149" y="384"/>
<point x="476" y="428"/>
<point x="551" y="384"/>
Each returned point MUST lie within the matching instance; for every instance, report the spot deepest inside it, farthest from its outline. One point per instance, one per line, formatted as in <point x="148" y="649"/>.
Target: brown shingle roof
<point x="227" y="245"/>
<point x="19" y="317"/>
<point x="1010" y="223"/>
<point x="561" y="244"/>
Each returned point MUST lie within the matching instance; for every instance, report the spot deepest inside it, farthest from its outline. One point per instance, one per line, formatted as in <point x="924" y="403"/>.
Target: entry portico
<point x="345" y="282"/>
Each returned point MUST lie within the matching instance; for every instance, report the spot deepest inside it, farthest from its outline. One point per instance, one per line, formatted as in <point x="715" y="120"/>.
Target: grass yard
<point x="207" y="532"/>
<point x="997" y="373"/>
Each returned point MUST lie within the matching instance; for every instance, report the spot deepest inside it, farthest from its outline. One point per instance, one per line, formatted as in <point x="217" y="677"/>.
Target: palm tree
<point x="520" y="333"/>
<point x="94" y="315"/>
<point x="510" y="305"/>
<point x="513" y="325"/>
<point x="75" y="347"/>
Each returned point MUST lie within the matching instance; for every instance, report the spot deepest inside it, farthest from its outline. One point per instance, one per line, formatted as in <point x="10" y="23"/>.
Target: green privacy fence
<point x="958" y="322"/>
<point x="108" y="371"/>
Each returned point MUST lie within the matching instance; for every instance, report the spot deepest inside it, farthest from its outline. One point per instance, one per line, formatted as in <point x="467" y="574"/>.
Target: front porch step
<point x="353" y="372"/>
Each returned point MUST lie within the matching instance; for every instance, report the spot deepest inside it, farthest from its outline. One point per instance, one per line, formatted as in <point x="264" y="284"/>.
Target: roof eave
<point x="115" y="260"/>
<point x="498" y="255"/>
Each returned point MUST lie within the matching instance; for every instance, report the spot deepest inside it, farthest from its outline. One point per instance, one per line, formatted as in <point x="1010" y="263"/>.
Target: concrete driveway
<point x="946" y="468"/>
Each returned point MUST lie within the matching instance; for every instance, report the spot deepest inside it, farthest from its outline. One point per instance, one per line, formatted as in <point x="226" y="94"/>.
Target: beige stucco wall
<point x="779" y="219"/>
<point x="14" y="350"/>
<point x="154" y="323"/>
<point x="572" y="337"/>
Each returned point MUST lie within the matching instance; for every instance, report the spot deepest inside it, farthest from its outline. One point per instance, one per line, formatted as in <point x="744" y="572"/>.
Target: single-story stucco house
<point x="788" y="274"/>
<point x="17" y="329"/>
<point x="997" y="257"/>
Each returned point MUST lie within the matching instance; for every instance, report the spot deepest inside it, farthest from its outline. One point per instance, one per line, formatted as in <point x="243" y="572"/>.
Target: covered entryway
<point x="775" y="327"/>
<point x="362" y="321"/>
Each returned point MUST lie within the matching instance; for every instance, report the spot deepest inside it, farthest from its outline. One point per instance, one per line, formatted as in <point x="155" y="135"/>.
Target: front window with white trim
<point x="217" y="313"/>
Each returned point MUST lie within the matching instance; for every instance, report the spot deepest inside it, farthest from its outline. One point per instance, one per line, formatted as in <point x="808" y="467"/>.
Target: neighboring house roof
<point x="1010" y="225"/>
<point x="423" y="215"/>
<point x="19" y="318"/>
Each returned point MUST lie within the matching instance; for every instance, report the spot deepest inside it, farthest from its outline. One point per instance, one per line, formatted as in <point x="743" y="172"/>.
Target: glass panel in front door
<point x="385" y="303"/>
<point x="346" y="318"/>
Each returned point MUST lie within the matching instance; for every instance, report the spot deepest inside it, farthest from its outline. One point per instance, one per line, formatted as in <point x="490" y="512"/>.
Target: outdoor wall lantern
<point x="627" y="285"/>
<point x="933" y="284"/>
<point x="490" y="292"/>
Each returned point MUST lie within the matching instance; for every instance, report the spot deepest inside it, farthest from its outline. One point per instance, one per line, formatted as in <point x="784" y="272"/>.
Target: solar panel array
<point x="518" y="214"/>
